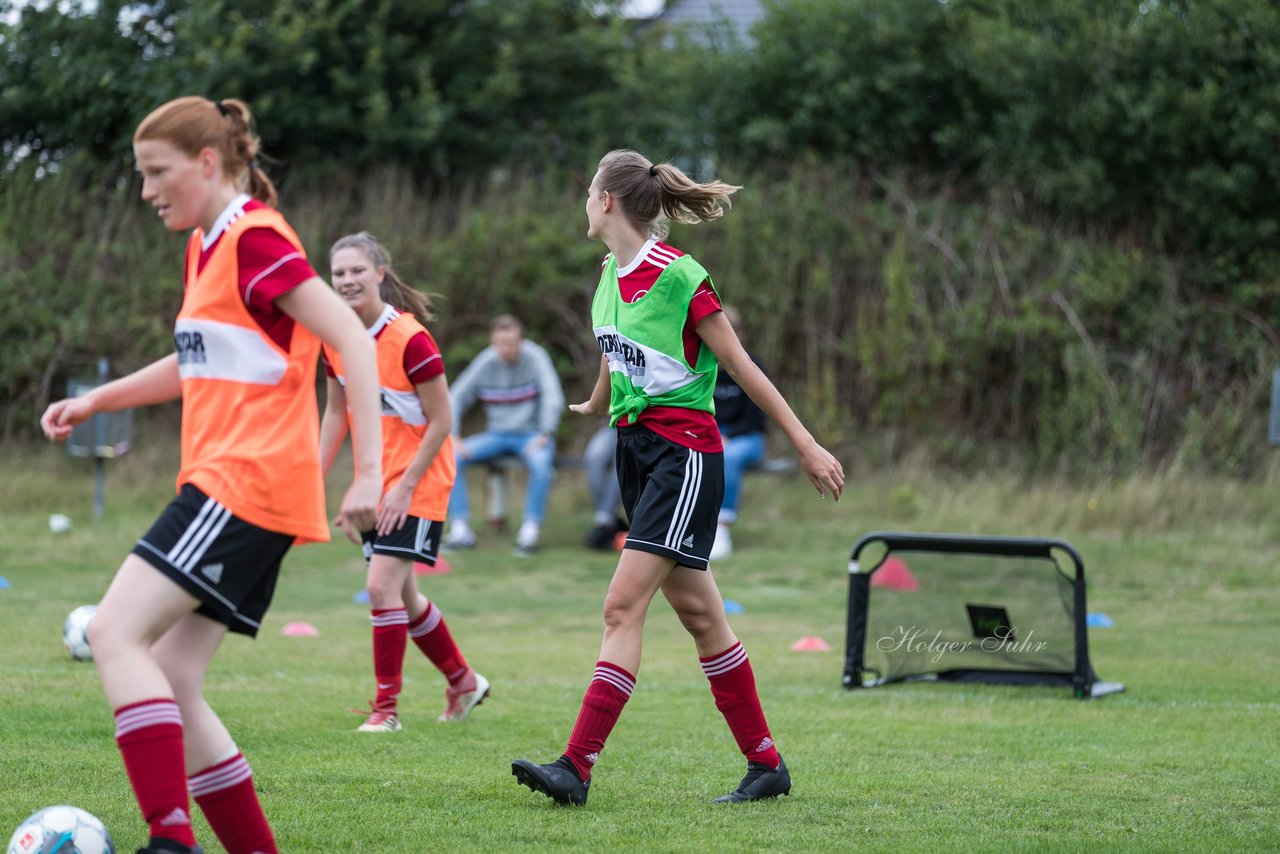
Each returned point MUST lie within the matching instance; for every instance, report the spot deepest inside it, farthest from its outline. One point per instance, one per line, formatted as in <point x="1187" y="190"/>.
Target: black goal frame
<point x="1082" y="680"/>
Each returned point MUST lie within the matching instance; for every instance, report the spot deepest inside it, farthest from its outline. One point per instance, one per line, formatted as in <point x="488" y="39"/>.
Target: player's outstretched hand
<point x="63" y="415"/>
<point x="825" y="472"/>
<point x="591" y="407"/>
<point x="359" y="511"/>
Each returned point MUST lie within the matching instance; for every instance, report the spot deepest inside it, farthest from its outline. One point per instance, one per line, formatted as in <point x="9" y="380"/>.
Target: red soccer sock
<point x="431" y="634"/>
<point x="149" y="735"/>
<point x="390" y="630"/>
<point x="229" y="801"/>
<point x="733" y="685"/>
<point x="610" y="688"/>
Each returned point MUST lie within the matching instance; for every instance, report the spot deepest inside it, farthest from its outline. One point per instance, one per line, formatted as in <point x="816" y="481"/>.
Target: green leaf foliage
<point x="1160" y="116"/>
<point x="966" y="223"/>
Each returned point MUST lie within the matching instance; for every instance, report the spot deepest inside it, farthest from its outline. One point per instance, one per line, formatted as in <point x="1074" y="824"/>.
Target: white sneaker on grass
<point x="460" y="536"/>
<point x="381" y="721"/>
<point x="527" y="538"/>
<point x="723" y="545"/>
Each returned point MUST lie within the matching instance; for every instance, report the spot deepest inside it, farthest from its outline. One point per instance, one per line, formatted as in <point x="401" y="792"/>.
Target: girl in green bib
<point x="662" y="335"/>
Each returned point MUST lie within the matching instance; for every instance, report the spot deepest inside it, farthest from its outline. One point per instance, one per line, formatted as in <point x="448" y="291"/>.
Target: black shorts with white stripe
<point x="672" y="495"/>
<point x="417" y="540"/>
<point x="226" y="563"/>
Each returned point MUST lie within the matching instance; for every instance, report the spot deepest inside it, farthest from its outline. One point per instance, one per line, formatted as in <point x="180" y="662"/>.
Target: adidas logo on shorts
<point x="212" y="571"/>
<point x="687" y="542"/>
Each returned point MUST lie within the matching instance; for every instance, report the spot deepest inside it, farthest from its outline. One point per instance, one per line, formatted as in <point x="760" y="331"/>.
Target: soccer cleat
<point x="602" y="536"/>
<point x="458" y="704"/>
<point x="761" y="783"/>
<point x="381" y="721"/>
<point x="558" y="781"/>
<point x="160" y="845"/>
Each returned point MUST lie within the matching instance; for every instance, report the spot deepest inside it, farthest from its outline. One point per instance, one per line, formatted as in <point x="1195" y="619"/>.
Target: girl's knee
<point x="698" y="615"/>
<point x="619" y="612"/>
<point x="384" y="594"/>
<point x="106" y="633"/>
<point x="698" y="623"/>
<point x="386" y="583"/>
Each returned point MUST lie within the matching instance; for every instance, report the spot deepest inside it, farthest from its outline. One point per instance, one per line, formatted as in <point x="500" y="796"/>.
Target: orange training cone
<point x="893" y="574"/>
<point x="298" y="629"/>
<point x="811" y="643"/>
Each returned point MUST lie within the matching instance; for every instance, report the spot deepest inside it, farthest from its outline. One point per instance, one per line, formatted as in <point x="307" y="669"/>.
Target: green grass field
<point x="1185" y="759"/>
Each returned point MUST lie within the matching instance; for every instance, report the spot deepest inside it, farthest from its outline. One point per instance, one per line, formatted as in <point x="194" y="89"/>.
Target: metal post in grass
<point x="104" y="436"/>
<point x="1273" y="428"/>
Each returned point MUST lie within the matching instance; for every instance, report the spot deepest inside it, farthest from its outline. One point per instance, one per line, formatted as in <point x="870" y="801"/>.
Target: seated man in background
<point x="741" y="425"/>
<point x="514" y="380"/>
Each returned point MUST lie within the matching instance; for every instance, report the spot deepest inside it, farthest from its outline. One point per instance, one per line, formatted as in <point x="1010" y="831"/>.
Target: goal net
<point x="968" y="609"/>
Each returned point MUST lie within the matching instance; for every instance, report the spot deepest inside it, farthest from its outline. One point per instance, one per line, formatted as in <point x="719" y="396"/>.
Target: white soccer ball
<point x="75" y="632"/>
<point x="62" y="830"/>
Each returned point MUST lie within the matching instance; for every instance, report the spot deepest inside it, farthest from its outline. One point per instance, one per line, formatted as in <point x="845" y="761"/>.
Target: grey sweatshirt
<point x="519" y="398"/>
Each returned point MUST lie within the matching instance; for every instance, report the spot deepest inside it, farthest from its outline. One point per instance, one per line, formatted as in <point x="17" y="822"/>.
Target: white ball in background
<point x="75" y="632"/>
<point x="58" y="523"/>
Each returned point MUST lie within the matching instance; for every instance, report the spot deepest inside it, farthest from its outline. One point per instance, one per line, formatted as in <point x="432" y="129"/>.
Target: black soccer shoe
<point x="601" y="537"/>
<point x="161" y="845"/>
<point x="761" y="783"/>
<point x="558" y="781"/>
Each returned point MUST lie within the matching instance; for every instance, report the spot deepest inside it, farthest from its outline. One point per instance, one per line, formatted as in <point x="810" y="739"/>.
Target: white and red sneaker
<point x="381" y="720"/>
<point x="459" y="701"/>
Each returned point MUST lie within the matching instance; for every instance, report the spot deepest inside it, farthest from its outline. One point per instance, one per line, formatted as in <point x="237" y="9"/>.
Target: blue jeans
<point x="740" y="454"/>
<point x="481" y="447"/>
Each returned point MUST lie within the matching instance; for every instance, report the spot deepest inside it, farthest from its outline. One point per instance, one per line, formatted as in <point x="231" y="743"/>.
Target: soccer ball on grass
<point x="61" y="830"/>
<point x="75" y="632"/>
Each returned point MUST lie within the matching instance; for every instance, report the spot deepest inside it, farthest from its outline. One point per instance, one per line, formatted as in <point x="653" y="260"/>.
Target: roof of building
<point x="740" y="14"/>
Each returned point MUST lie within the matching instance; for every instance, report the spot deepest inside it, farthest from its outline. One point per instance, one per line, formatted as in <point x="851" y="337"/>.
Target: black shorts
<point x="672" y="495"/>
<point x="226" y="563"/>
<point x="417" y="539"/>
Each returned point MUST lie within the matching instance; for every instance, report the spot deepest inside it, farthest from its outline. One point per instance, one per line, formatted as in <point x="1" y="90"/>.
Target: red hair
<point x="192" y="124"/>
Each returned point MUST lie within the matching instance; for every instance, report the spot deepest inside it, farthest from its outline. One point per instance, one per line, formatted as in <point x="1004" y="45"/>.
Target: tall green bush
<point x="894" y="315"/>
<point x="441" y="88"/>
<point x="1161" y="117"/>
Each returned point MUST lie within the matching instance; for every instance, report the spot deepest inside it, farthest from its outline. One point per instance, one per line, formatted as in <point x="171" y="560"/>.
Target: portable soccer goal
<point x="1008" y="610"/>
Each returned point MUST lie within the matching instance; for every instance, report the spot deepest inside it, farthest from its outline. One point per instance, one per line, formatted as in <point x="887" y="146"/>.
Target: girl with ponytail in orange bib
<point x="254" y="314"/>
<point x="418" y="471"/>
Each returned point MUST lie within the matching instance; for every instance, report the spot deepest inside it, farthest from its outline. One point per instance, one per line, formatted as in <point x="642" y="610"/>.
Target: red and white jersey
<point x="404" y="423"/>
<point x="249" y="428"/>
<point x="691" y="428"/>
<point x="269" y="267"/>
<point x="422" y="358"/>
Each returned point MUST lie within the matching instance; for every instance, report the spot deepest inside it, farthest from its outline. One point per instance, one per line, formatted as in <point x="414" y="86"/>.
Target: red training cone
<point x="893" y="574"/>
<point x="299" y="629"/>
<point x="811" y="643"/>
<point x="441" y="567"/>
